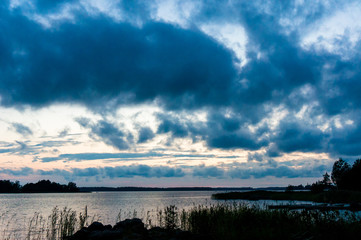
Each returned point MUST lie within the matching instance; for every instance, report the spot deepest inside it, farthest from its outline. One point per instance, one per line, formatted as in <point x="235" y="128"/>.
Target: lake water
<point x="17" y="210"/>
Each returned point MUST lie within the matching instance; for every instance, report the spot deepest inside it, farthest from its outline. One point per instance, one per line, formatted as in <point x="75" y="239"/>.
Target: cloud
<point x="195" y="155"/>
<point x="278" y="172"/>
<point x="112" y="60"/>
<point x="232" y="131"/>
<point x="55" y="143"/>
<point x="346" y="139"/>
<point x="26" y="171"/>
<point x="105" y="62"/>
<point x="5" y="150"/>
<point x="208" y="171"/>
<point x="107" y="132"/>
<point x="243" y="140"/>
<point x="143" y="171"/>
<point x="292" y="169"/>
<point x="295" y="136"/>
<point x="218" y="131"/>
<point x="255" y="157"/>
<point x="119" y="172"/>
<point x="22" y="129"/>
<point x="145" y="134"/>
<point x="101" y="156"/>
<point x="64" y="132"/>
<point x="172" y="125"/>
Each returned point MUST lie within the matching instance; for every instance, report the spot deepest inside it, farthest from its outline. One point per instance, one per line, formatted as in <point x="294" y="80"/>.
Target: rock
<point x="82" y="234"/>
<point x="134" y="224"/>
<point x="105" y="235"/>
<point x="108" y="227"/>
<point x="96" y="226"/>
<point x="131" y="229"/>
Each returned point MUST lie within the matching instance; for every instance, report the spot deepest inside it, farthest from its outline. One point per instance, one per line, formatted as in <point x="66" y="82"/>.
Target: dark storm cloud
<point x="347" y="140"/>
<point x="232" y="132"/>
<point x="243" y="140"/>
<point x="172" y="125"/>
<point x="283" y="64"/>
<point x="339" y="93"/>
<point x="22" y="129"/>
<point x="295" y="136"/>
<point x="219" y="131"/>
<point x="107" y="132"/>
<point x="105" y="61"/>
<point x="46" y="5"/>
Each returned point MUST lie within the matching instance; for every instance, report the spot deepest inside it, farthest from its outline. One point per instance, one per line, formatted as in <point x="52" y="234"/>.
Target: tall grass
<point x="58" y="225"/>
<point x="223" y="221"/>
<point x="244" y="222"/>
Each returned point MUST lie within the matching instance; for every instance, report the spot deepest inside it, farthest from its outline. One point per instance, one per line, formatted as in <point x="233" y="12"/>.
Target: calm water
<point x="16" y="210"/>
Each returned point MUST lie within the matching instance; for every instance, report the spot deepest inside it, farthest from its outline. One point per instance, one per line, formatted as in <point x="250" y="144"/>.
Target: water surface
<point x="16" y="210"/>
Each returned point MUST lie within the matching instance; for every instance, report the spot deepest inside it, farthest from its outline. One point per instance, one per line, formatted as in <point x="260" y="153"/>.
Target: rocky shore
<point x="132" y="229"/>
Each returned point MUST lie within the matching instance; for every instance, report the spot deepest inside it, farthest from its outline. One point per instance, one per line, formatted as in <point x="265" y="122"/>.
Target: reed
<point x="221" y="221"/>
<point x="240" y="221"/>
<point x="58" y="225"/>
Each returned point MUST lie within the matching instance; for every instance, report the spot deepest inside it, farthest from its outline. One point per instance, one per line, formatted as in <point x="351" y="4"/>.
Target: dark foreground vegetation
<point x="242" y="222"/>
<point x="226" y="222"/>
<point x="43" y="186"/>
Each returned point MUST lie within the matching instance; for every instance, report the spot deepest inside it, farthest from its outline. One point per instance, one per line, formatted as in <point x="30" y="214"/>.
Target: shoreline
<point x="320" y="197"/>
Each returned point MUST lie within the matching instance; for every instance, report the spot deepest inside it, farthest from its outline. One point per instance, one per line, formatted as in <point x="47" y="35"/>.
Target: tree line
<point x="42" y="186"/>
<point x="343" y="177"/>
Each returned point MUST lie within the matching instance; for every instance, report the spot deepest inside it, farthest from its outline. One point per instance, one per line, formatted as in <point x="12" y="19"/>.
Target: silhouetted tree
<point x="355" y="176"/>
<point x="340" y="174"/>
<point x="72" y="187"/>
<point x="318" y="187"/>
<point x="7" y="186"/>
<point x="326" y="180"/>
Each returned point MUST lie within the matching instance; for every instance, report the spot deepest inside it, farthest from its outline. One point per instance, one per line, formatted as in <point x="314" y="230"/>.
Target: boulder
<point x="131" y="229"/>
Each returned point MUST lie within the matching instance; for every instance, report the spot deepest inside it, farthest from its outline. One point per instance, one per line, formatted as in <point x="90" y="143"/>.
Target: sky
<point x="178" y="93"/>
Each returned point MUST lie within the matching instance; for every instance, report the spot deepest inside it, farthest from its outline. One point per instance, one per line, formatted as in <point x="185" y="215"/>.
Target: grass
<point x="59" y="224"/>
<point x="222" y="221"/>
<point x="228" y="222"/>
<point x="325" y="197"/>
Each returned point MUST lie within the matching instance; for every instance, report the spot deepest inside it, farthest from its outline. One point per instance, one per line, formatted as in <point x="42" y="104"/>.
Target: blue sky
<point x="178" y="93"/>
